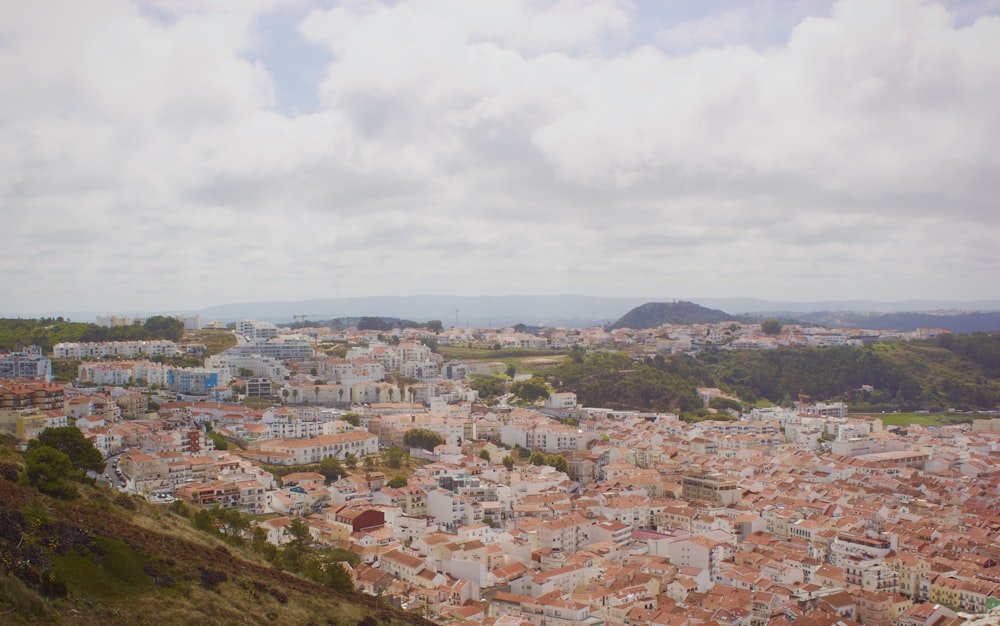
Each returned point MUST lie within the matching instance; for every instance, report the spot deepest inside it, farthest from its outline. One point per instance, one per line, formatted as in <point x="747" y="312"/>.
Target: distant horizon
<point x="369" y="306"/>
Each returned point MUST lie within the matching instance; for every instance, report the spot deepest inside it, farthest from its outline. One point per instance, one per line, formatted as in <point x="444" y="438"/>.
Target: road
<point x="109" y="471"/>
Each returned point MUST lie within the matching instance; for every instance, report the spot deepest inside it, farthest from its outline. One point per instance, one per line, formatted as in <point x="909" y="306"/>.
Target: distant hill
<point x="954" y="321"/>
<point x="653" y="314"/>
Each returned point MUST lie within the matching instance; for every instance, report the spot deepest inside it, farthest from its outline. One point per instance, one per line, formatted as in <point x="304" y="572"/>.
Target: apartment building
<point x="125" y="349"/>
<point x="28" y="364"/>
<point x="315" y="449"/>
<point x="23" y="394"/>
<point x="710" y="486"/>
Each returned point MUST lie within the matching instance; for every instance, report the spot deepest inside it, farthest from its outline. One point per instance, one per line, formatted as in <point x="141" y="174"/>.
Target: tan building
<point x="710" y="486"/>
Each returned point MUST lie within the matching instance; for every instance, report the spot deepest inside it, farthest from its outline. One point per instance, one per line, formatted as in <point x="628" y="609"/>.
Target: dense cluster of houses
<point x="802" y="514"/>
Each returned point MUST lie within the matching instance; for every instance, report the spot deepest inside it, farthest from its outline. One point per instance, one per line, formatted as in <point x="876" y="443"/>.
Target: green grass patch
<point x="115" y="575"/>
<point x="924" y="419"/>
<point x="488" y="354"/>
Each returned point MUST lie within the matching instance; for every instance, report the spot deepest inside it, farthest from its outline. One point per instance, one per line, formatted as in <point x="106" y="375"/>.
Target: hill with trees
<point x="17" y="334"/>
<point x="368" y="323"/>
<point x="653" y="314"/>
<point x="951" y="371"/>
<point x="953" y="321"/>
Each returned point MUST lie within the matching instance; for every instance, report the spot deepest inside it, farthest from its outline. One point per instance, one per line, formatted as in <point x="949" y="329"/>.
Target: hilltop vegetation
<point x="956" y="322"/>
<point x="17" y="334"/>
<point x="367" y="323"/>
<point x="961" y="372"/>
<point x="653" y="314"/>
<point x="614" y="381"/>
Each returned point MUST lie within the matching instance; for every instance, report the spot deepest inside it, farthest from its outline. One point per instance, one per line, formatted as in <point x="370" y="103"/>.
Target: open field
<point x="925" y="419"/>
<point x="215" y="340"/>
<point x="525" y="361"/>
<point x="488" y="354"/>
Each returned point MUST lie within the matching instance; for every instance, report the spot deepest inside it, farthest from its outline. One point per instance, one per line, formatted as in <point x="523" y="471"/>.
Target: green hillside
<point x="17" y="334"/>
<point x="960" y="372"/>
<point x="107" y="558"/>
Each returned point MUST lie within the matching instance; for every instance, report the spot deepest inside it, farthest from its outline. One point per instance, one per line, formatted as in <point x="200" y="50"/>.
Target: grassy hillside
<point x="215" y="340"/>
<point x="107" y="558"/>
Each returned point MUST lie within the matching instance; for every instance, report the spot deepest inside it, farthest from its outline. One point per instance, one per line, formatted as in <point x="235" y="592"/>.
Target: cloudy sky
<point x="179" y="154"/>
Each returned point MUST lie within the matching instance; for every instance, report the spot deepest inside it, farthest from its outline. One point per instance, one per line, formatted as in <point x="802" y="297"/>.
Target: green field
<point x="525" y="361"/>
<point x="925" y="419"/>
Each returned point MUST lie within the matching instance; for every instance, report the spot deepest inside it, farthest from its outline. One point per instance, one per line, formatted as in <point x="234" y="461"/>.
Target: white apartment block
<point x="276" y="348"/>
<point x="261" y="366"/>
<point x="256" y="329"/>
<point x="127" y="349"/>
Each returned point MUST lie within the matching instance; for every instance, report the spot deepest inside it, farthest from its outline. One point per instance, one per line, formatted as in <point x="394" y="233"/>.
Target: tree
<point x="354" y="419"/>
<point x="301" y="536"/>
<point x="218" y="441"/>
<point x="537" y="458"/>
<point x="337" y="578"/>
<point x="331" y="469"/>
<point x="49" y="470"/>
<point x="770" y="327"/>
<point x="422" y="438"/>
<point x="70" y="441"/>
<point x="434" y="326"/>
<point x="396" y="482"/>
<point x="487" y="386"/>
<point x="159" y="326"/>
<point x="394" y="457"/>
<point x="203" y="521"/>
<point x="508" y="462"/>
<point x="531" y="390"/>
<point x="484" y="454"/>
<point x="558" y="462"/>
<point x="351" y="460"/>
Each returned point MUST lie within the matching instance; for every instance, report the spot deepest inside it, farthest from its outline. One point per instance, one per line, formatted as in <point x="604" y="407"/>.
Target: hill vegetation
<point x="653" y="314"/>
<point x="368" y="323"/>
<point x="614" y="381"/>
<point x="951" y="371"/>
<point x="956" y="322"/>
<point x="17" y="334"/>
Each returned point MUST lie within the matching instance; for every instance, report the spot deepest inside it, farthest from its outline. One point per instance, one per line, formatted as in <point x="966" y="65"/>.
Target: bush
<point x="9" y="471"/>
<point x="211" y="578"/>
<point x="52" y="586"/>
<point x="164" y="580"/>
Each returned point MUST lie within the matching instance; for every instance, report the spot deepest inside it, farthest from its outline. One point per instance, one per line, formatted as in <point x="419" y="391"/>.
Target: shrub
<point x="211" y="578"/>
<point x="52" y="586"/>
<point x="164" y="580"/>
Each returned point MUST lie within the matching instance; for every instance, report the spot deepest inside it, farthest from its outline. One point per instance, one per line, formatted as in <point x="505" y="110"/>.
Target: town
<point x="543" y="512"/>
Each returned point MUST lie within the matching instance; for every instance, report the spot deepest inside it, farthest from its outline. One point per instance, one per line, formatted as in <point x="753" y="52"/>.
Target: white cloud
<point x="712" y="30"/>
<point x="462" y="147"/>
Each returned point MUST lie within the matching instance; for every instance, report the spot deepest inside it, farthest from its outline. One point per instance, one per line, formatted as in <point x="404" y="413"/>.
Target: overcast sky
<point x="179" y="154"/>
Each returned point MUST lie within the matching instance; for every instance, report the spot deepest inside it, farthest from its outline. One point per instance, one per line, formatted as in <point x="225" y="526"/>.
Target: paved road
<point x="109" y="471"/>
